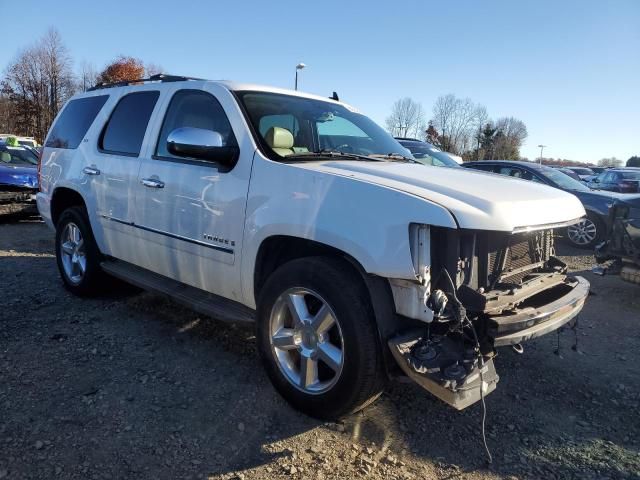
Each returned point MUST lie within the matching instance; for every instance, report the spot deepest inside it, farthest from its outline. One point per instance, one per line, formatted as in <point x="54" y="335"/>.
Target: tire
<point x="588" y="233"/>
<point x="86" y="275"/>
<point x="345" y="383"/>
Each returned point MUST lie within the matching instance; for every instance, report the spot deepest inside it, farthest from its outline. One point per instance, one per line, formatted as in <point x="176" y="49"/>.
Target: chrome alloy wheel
<point x="306" y="340"/>
<point x="72" y="253"/>
<point x="582" y="233"/>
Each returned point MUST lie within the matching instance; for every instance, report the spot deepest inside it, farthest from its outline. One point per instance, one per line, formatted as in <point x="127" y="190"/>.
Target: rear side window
<point x="75" y="120"/>
<point x="125" y="130"/>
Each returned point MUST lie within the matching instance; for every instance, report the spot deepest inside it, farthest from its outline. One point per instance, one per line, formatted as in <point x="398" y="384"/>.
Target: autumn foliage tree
<point x="121" y="69"/>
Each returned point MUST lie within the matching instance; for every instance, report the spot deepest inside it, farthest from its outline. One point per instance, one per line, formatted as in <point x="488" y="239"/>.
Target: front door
<point x="190" y="212"/>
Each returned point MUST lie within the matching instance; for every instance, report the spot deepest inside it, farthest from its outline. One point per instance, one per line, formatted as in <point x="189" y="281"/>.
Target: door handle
<point x="152" y="183"/>
<point x="91" y="171"/>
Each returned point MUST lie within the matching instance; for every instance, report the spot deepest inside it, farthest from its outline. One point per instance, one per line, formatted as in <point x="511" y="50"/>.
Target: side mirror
<point x="201" y="144"/>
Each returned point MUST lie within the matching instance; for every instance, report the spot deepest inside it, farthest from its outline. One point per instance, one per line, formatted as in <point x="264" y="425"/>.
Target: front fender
<point x="369" y="222"/>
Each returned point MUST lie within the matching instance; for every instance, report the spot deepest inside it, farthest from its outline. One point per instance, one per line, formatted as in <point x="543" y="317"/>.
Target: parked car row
<point x="622" y="180"/>
<point x="589" y="231"/>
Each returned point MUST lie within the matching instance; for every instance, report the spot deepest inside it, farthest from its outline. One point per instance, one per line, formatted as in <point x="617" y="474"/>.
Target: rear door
<point x="190" y="212"/>
<point x="112" y="169"/>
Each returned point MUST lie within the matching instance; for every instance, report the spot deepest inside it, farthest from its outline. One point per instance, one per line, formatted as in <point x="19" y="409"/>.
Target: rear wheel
<point x="77" y="254"/>
<point x="587" y="233"/>
<point x="318" y="339"/>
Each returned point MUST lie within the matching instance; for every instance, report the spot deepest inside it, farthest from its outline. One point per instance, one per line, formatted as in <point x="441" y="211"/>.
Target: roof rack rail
<point x="160" y="77"/>
<point x="409" y="139"/>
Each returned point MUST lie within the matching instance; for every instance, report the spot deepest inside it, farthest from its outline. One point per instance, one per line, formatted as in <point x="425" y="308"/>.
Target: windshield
<point x="429" y="156"/>
<point x="563" y="180"/>
<point x="289" y="125"/>
<point x="17" y="156"/>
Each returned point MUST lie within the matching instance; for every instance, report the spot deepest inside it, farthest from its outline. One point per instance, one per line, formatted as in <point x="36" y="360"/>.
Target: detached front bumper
<point x="451" y="371"/>
<point x="534" y="321"/>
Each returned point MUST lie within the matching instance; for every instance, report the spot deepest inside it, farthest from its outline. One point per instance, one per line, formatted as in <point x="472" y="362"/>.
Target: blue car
<point x="18" y="179"/>
<point x="593" y="228"/>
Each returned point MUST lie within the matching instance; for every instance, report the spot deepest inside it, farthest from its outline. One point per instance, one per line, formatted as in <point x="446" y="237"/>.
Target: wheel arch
<point x="63" y="198"/>
<point x="276" y="250"/>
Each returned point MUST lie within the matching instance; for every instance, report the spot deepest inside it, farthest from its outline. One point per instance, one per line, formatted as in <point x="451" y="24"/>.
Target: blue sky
<point x="569" y="69"/>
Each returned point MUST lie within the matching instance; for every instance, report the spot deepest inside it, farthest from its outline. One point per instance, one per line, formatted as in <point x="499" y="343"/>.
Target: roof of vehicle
<point x="228" y="84"/>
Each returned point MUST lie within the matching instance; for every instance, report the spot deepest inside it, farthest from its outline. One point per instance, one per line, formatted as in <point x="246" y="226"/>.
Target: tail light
<point x="40" y="169"/>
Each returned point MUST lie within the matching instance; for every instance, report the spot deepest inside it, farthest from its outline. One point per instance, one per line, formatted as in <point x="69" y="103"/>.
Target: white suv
<point x="296" y="211"/>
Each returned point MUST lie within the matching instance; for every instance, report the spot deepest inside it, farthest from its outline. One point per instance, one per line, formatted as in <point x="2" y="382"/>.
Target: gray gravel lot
<point x="132" y="386"/>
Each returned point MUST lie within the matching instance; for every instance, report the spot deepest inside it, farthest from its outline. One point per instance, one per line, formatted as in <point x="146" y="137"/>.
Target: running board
<point x="219" y="308"/>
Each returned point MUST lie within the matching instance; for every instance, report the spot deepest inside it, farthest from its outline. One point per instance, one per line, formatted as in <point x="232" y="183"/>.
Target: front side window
<point x="608" y="178"/>
<point x="125" y="129"/>
<point x="74" y="122"/>
<point x="319" y="126"/>
<point x="197" y="109"/>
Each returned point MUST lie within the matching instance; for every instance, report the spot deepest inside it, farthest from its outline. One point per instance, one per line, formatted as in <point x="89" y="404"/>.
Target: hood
<point x="477" y="200"/>
<point x="19" y="176"/>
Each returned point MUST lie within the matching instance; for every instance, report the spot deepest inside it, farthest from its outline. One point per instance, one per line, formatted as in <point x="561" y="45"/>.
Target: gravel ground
<point x="133" y="386"/>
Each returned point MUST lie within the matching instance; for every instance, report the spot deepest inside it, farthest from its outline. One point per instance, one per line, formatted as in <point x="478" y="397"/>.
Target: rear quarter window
<point x="74" y="121"/>
<point x="125" y="129"/>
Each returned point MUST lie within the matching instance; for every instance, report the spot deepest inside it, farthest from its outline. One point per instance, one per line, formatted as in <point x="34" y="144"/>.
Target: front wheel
<point x="318" y="339"/>
<point x="587" y="233"/>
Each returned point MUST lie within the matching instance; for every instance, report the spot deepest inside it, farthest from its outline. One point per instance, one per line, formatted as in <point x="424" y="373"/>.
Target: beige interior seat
<point x="280" y="140"/>
<point x="5" y="157"/>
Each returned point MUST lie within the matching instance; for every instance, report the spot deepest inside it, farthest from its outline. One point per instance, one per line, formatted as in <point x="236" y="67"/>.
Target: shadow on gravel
<point x="559" y="421"/>
<point x="134" y="386"/>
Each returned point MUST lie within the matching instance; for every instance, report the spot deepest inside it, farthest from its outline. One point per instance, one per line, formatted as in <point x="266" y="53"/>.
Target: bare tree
<point x="88" y="76"/>
<point x="610" y="162"/>
<point x="510" y="135"/>
<point x="151" y="69"/>
<point x="36" y="85"/>
<point x="406" y="119"/>
<point x="459" y="122"/>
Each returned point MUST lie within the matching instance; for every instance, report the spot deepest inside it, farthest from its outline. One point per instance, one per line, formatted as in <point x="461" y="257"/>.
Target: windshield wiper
<point x="331" y="154"/>
<point x="394" y="157"/>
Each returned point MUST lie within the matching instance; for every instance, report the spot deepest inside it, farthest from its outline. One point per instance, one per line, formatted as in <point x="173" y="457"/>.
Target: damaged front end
<point x="623" y="242"/>
<point x="18" y="189"/>
<point x="14" y="199"/>
<point x="480" y="290"/>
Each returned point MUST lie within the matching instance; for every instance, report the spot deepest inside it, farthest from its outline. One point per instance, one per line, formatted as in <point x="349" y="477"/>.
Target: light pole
<point x="299" y="66"/>
<point x="541" y="149"/>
